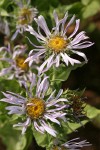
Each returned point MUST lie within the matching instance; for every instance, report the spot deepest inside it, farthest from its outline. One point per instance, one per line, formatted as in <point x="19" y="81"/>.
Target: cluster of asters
<point x="40" y="108"/>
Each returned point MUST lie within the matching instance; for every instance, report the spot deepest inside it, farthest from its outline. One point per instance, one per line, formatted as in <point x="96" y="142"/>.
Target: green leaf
<point x="3" y="12"/>
<point x="1" y="2"/>
<point x="70" y="127"/>
<point x="85" y="2"/>
<point x="62" y="73"/>
<point x="91" y="112"/>
<point x="43" y="140"/>
<point x="9" y="85"/>
<point x="73" y="8"/>
<point x="91" y="9"/>
<point x="67" y="128"/>
<point x="6" y="3"/>
<point x="12" y="138"/>
<point x="96" y="121"/>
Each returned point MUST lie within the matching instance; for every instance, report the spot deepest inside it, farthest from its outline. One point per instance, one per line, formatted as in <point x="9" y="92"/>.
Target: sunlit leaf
<point x="91" y="112"/>
<point x="85" y="2"/>
<point x="3" y="12"/>
<point x="94" y="6"/>
<point x="2" y="2"/>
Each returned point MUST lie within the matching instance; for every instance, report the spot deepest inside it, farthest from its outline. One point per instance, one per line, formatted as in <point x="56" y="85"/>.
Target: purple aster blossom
<point x="55" y="44"/>
<point x="73" y="144"/>
<point x="40" y="110"/>
<point x="15" y="58"/>
<point x="25" y="17"/>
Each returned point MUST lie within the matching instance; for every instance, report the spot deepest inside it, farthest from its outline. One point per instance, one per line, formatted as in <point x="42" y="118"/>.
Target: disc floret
<point x="57" y="44"/>
<point x="20" y="63"/>
<point x="35" y="108"/>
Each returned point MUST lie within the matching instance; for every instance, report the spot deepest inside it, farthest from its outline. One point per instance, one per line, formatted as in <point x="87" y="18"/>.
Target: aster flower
<point x="56" y="45"/>
<point x="15" y="58"/>
<point x="26" y="14"/>
<point x="39" y="109"/>
<point x="72" y="145"/>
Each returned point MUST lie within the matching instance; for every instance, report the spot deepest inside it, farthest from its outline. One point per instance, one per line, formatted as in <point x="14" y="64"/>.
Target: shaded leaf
<point x="62" y="73"/>
<point x="12" y="138"/>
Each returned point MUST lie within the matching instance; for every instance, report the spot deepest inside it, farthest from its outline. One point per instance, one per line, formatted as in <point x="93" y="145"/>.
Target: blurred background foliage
<point x="86" y="77"/>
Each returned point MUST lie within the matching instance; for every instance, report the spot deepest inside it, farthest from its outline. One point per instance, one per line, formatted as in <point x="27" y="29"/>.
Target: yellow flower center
<point x="35" y="108"/>
<point x="57" y="44"/>
<point x="25" y="16"/>
<point x="20" y="63"/>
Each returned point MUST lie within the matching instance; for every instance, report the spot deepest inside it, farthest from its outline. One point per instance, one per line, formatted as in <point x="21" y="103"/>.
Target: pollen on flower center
<point x="57" y="44"/>
<point x="35" y="108"/>
<point x="20" y="63"/>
